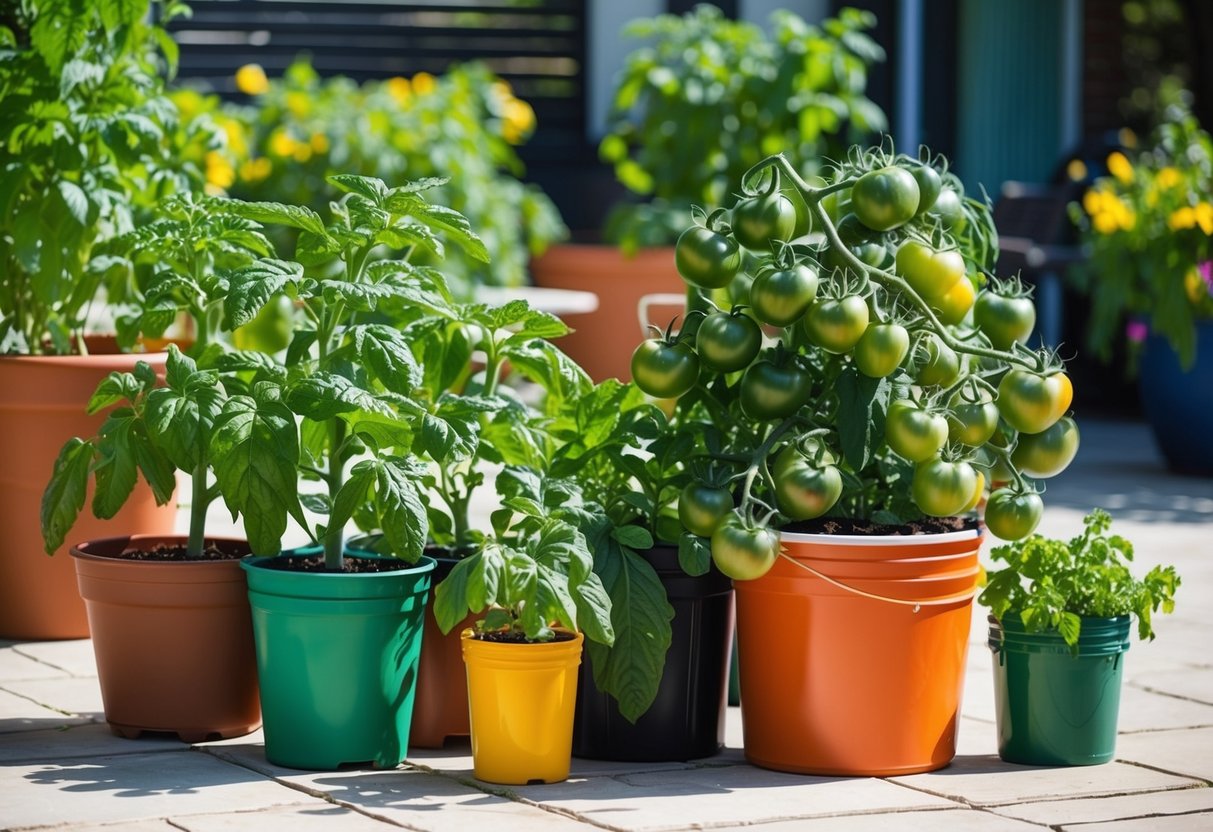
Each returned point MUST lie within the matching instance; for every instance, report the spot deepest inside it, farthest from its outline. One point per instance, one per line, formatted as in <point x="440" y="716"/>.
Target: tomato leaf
<point x="64" y="494"/>
<point x="250" y="288"/>
<point x="694" y="554"/>
<point x="862" y="404"/>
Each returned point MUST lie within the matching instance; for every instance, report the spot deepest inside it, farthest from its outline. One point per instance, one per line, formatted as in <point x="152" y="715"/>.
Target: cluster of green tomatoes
<point x="881" y="287"/>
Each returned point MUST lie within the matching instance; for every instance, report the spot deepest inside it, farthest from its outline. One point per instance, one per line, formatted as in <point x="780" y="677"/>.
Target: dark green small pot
<point x="1056" y="707"/>
<point x="337" y="660"/>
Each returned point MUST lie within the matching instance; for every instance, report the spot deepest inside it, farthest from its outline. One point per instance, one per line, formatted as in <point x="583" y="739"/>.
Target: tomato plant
<point x="881" y="349"/>
<point x="762" y="222"/>
<point x="1012" y="515"/>
<point x="942" y="489"/>
<point x="780" y="296"/>
<point x="702" y="508"/>
<point x="1048" y="453"/>
<point x="771" y="390"/>
<point x="665" y="367"/>
<point x="931" y="273"/>
<point x="1005" y="313"/>
<point x="837" y="324"/>
<point x="940" y="365"/>
<point x="914" y="433"/>
<point x="929" y="186"/>
<point x="706" y="257"/>
<point x="972" y="422"/>
<point x="805" y="488"/>
<point x="1031" y="402"/>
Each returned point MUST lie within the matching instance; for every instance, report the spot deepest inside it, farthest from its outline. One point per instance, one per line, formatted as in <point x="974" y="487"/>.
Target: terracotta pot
<point x="440" y="709"/>
<point x="852" y="663"/>
<point x="173" y="640"/>
<point x="603" y="341"/>
<point x="42" y="401"/>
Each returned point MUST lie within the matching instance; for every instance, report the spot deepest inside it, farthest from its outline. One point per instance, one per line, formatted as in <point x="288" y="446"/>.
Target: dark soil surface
<point x="166" y="552"/>
<point x="350" y="565"/>
<point x="518" y="638"/>
<point x="843" y="525"/>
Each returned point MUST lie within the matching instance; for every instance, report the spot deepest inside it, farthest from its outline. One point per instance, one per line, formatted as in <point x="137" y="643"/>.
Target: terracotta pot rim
<point x="121" y="361"/>
<point x="79" y="550"/>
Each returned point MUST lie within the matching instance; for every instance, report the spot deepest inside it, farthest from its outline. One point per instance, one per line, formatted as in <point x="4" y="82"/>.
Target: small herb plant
<point x="1053" y="584"/>
<point x="897" y="381"/>
<point x="90" y="143"/>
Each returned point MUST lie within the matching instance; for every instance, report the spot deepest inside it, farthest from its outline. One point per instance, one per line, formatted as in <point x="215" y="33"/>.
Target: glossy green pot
<point x="1055" y="706"/>
<point x="337" y="660"/>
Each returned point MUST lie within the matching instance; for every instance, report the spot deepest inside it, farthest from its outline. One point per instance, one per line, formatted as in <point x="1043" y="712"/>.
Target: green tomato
<point x="836" y="325"/>
<point x="706" y="258"/>
<point x="270" y="329"/>
<point x="804" y="217"/>
<point x="780" y="298"/>
<point x="804" y="490"/>
<point x="1031" y="402"/>
<point x="1004" y="320"/>
<point x="739" y="289"/>
<point x="955" y="304"/>
<point x="744" y="551"/>
<point x="972" y="423"/>
<point x="881" y="349"/>
<point x="728" y="342"/>
<point x="768" y="391"/>
<point x="943" y="489"/>
<point x="942" y="366"/>
<point x="1048" y="453"/>
<point x="762" y="222"/>
<point x="860" y="240"/>
<point x="947" y="209"/>
<point x="930" y="273"/>
<point x="914" y="433"/>
<point x="702" y="508"/>
<point x="1013" y="516"/>
<point x="664" y="370"/>
<point x="837" y="205"/>
<point x="929" y="186"/>
<point x="885" y="199"/>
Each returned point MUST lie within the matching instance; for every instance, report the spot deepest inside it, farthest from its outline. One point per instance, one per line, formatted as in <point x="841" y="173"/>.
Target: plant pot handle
<point x="658" y="299"/>
<point x="967" y="595"/>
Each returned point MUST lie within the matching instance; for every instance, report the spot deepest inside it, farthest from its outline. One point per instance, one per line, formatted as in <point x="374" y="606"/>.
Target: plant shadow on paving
<point x="130" y="776"/>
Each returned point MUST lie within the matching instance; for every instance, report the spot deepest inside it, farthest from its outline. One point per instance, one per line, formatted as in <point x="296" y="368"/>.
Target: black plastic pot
<point x="686" y="720"/>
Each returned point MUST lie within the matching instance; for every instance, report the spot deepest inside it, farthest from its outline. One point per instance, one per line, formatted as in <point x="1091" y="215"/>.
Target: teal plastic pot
<point x="1056" y="707"/>
<point x="337" y="660"/>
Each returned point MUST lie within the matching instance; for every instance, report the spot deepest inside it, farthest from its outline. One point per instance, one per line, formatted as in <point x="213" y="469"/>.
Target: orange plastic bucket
<point x="836" y="681"/>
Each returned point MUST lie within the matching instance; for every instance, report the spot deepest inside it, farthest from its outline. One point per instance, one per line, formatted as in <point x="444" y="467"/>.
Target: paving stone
<point x="121" y="826"/>
<point x="988" y="781"/>
<point x="1183" y="752"/>
<point x="316" y="816"/>
<point x="74" y="657"/>
<point x="15" y="666"/>
<point x="74" y="694"/>
<point x="20" y="714"/>
<point x="721" y="796"/>
<point x="1194" y="683"/>
<point x="1097" y="809"/>
<point x="976" y="738"/>
<point x="942" y="820"/>
<point x="1141" y="710"/>
<point x="89" y="740"/>
<point x="1199" y="822"/>
<point x="131" y="787"/>
<point x="431" y="802"/>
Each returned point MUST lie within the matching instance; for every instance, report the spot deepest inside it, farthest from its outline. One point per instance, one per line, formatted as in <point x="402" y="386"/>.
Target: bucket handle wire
<point x="656" y="299"/>
<point x="917" y="605"/>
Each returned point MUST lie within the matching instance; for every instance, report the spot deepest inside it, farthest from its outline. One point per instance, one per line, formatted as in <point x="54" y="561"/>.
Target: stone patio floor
<point x="61" y="768"/>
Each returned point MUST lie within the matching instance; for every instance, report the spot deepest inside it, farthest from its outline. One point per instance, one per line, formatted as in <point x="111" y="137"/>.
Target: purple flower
<point x="1136" y="331"/>
<point x="1205" y="270"/>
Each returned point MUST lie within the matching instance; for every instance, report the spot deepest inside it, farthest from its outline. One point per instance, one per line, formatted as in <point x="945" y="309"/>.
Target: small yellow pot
<point x="521" y="699"/>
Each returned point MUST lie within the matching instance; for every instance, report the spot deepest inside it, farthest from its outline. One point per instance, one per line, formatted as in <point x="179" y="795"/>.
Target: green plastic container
<point x="1055" y="706"/>
<point x="337" y="660"/>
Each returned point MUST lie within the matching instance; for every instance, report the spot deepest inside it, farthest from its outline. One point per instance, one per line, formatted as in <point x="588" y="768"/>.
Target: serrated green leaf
<point x="75" y="200"/>
<point x="385" y="352"/>
<point x="114" y="388"/>
<point x="456" y="226"/>
<point x="256" y="451"/>
<point x="862" y="404"/>
<point x="275" y="213"/>
<point x="325" y="395"/>
<point x="250" y="288"/>
<point x="450" y="596"/>
<point x="115" y="469"/>
<point x="65" y="493"/>
<point x="367" y="186"/>
<point x="181" y="417"/>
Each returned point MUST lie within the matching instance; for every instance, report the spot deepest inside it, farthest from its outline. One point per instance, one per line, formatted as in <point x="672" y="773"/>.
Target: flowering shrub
<point x="1148" y="228"/>
<point x="464" y="125"/>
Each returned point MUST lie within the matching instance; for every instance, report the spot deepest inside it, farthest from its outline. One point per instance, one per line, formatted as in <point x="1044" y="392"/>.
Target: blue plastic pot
<point x="1178" y="403"/>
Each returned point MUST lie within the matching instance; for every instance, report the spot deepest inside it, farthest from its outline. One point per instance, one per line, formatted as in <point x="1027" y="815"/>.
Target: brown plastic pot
<point x="440" y="709"/>
<point x="173" y="640"/>
<point x="603" y="341"/>
<point x="42" y="401"/>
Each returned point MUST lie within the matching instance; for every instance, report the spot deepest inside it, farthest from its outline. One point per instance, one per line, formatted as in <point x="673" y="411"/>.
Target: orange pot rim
<point x="861" y="541"/>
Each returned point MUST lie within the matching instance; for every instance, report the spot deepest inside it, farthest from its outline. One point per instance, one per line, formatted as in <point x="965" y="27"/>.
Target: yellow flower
<point x="251" y="80"/>
<point x="299" y="103"/>
<point x="518" y="121"/>
<point x="303" y="152"/>
<point x="1204" y="217"/>
<point x="502" y="88"/>
<point x="1194" y="286"/>
<point x="1092" y="201"/>
<point x="1182" y="218"/>
<point x="281" y="144"/>
<point x="1076" y="170"/>
<point x="1168" y="178"/>
<point x="237" y="142"/>
<point x="255" y="170"/>
<point x="320" y="143"/>
<point x="219" y="172"/>
<point x="1120" y="167"/>
<point x="399" y="89"/>
<point x="188" y="102"/>
<point x="424" y="83"/>
<point x="1105" y="222"/>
